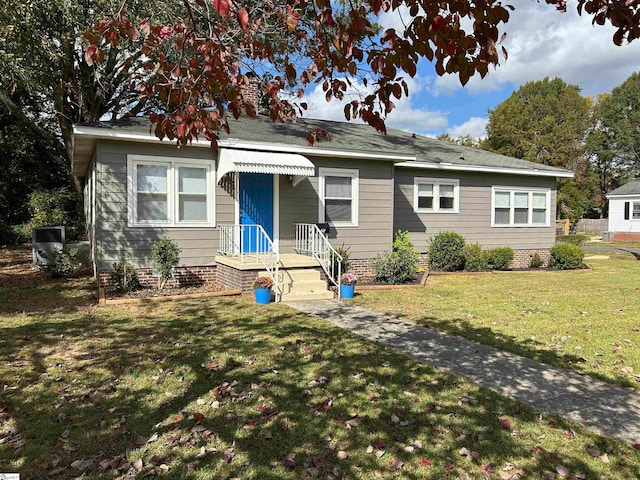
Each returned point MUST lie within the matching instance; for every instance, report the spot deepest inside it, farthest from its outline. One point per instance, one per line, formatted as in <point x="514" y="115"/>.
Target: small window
<point x="635" y="212"/>
<point x="338" y="196"/>
<point x="520" y="207"/>
<point x="435" y="195"/>
<point x="170" y="192"/>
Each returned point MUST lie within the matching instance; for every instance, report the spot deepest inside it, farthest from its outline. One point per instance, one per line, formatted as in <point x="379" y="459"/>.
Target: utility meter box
<point x="45" y="241"/>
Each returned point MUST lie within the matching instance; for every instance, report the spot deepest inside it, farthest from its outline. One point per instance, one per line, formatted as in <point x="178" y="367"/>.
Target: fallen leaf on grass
<point x="505" y="423"/>
<point x="289" y="462"/>
<point x="342" y="455"/>
<point x="81" y="464"/>
<point x="137" y="464"/>
<point x="395" y="465"/>
<point x="424" y="462"/>
<point x="562" y="471"/>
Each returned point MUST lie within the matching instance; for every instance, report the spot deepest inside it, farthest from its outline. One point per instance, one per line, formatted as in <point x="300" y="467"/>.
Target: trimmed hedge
<point x="565" y="256"/>
<point x="399" y="266"/>
<point x="446" y="252"/>
<point x="474" y="258"/>
<point x="499" y="258"/>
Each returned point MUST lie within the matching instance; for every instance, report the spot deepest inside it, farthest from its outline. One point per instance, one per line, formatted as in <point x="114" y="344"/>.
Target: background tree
<point x="547" y="122"/>
<point x="463" y="140"/>
<point x="543" y="122"/>
<point x="43" y="60"/>
<point x="618" y="132"/>
<point x="607" y="163"/>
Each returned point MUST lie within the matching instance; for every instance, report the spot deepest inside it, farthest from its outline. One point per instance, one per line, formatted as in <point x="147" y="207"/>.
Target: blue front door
<point x="256" y="207"/>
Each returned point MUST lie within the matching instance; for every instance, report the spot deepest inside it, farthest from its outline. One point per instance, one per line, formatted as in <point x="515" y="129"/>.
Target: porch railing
<point x="312" y="242"/>
<point x="251" y="244"/>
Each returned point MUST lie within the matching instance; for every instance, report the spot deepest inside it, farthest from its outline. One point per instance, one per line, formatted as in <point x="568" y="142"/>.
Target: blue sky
<point x="541" y="42"/>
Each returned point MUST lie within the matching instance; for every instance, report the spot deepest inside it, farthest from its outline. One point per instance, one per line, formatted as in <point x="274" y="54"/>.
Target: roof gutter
<point x="477" y="168"/>
<point x="101" y="133"/>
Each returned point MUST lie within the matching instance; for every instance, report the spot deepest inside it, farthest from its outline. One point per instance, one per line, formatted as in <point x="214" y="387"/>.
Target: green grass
<point x="615" y="244"/>
<point x="215" y="388"/>
<point x="584" y="320"/>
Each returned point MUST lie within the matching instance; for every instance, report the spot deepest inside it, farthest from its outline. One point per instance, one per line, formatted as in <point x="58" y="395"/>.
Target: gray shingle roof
<point x="355" y="137"/>
<point x="631" y="188"/>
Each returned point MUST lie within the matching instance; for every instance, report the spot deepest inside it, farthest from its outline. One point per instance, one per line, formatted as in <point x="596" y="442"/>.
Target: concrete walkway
<point x="606" y="409"/>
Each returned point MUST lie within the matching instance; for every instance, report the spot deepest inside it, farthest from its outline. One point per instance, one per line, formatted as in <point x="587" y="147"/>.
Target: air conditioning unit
<point x="45" y="241"/>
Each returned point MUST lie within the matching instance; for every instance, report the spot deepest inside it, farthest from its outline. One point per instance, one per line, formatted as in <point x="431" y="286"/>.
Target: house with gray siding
<point x="265" y="202"/>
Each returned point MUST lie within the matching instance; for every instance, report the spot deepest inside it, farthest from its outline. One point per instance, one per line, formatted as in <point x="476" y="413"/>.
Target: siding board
<point x="474" y="218"/>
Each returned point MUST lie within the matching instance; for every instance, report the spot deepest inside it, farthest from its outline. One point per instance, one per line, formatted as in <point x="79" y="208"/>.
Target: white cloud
<point x="542" y="42"/>
<point x="403" y="117"/>
<point x="475" y="127"/>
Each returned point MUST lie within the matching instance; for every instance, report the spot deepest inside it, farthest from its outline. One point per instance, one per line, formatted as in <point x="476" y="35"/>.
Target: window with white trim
<point x="515" y="207"/>
<point x="635" y="211"/>
<point x="338" y="203"/>
<point x="166" y="192"/>
<point x="441" y="195"/>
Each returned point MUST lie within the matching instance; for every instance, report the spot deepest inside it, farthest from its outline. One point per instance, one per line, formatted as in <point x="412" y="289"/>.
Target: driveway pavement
<point x="607" y="409"/>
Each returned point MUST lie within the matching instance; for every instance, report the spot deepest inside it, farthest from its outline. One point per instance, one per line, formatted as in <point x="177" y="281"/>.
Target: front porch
<point x="247" y="252"/>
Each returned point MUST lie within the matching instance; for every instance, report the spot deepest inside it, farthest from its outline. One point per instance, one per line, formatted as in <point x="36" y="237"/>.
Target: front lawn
<point x="218" y="388"/>
<point x="584" y="320"/>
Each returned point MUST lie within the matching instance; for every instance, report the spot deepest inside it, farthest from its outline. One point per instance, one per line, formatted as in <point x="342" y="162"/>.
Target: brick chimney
<point x="251" y="92"/>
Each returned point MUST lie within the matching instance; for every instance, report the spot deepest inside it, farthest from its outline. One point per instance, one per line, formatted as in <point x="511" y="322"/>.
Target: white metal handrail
<point x="232" y="241"/>
<point x="312" y="242"/>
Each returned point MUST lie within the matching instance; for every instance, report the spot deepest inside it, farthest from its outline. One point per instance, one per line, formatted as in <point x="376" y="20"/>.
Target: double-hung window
<point x="170" y="192"/>
<point x="338" y="196"/>
<point x="518" y="207"/>
<point x="439" y="195"/>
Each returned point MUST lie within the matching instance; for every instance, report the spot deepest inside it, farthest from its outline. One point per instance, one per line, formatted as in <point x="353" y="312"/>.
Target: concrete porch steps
<point x="302" y="283"/>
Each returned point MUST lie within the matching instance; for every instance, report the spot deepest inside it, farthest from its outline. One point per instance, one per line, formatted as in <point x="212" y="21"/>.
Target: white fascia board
<point x="478" y="168"/>
<point x="629" y="196"/>
<point x="107" y="134"/>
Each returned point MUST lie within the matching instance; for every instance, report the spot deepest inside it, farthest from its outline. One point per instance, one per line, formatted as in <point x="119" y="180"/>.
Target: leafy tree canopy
<point x="543" y="122"/>
<point x="618" y="129"/>
<point x="197" y="63"/>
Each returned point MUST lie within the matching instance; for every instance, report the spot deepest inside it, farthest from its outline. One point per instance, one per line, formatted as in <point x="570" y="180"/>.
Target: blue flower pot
<point x="263" y="295"/>
<point x="346" y="291"/>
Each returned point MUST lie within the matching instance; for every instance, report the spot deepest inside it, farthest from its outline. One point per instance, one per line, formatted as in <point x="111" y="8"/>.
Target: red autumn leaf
<point x="243" y="19"/>
<point x="505" y="423"/>
<point x="437" y="22"/>
<point x="636" y="446"/>
<point x="198" y="416"/>
<point x="222" y="7"/>
<point x="451" y="47"/>
<point x="89" y="53"/>
<point x="424" y="462"/>
<point x="178" y="418"/>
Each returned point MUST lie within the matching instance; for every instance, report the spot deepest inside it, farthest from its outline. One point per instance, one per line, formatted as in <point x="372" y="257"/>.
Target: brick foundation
<point x="522" y="258"/>
<point x="234" y="279"/>
<point x="183" y="276"/>
<point x="626" y="236"/>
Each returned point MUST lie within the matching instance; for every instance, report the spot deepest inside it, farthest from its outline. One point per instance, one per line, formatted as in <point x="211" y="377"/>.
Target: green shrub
<point x="474" y="258"/>
<point x="62" y="264"/>
<point x="345" y="253"/>
<point x="565" y="256"/>
<point x="400" y="265"/>
<point x="21" y="233"/>
<point x="166" y="256"/>
<point x="499" y="258"/>
<point x="575" y="239"/>
<point x="124" y="276"/>
<point x="446" y="252"/>
<point x="536" y="261"/>
<point x="56" y="207"/>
